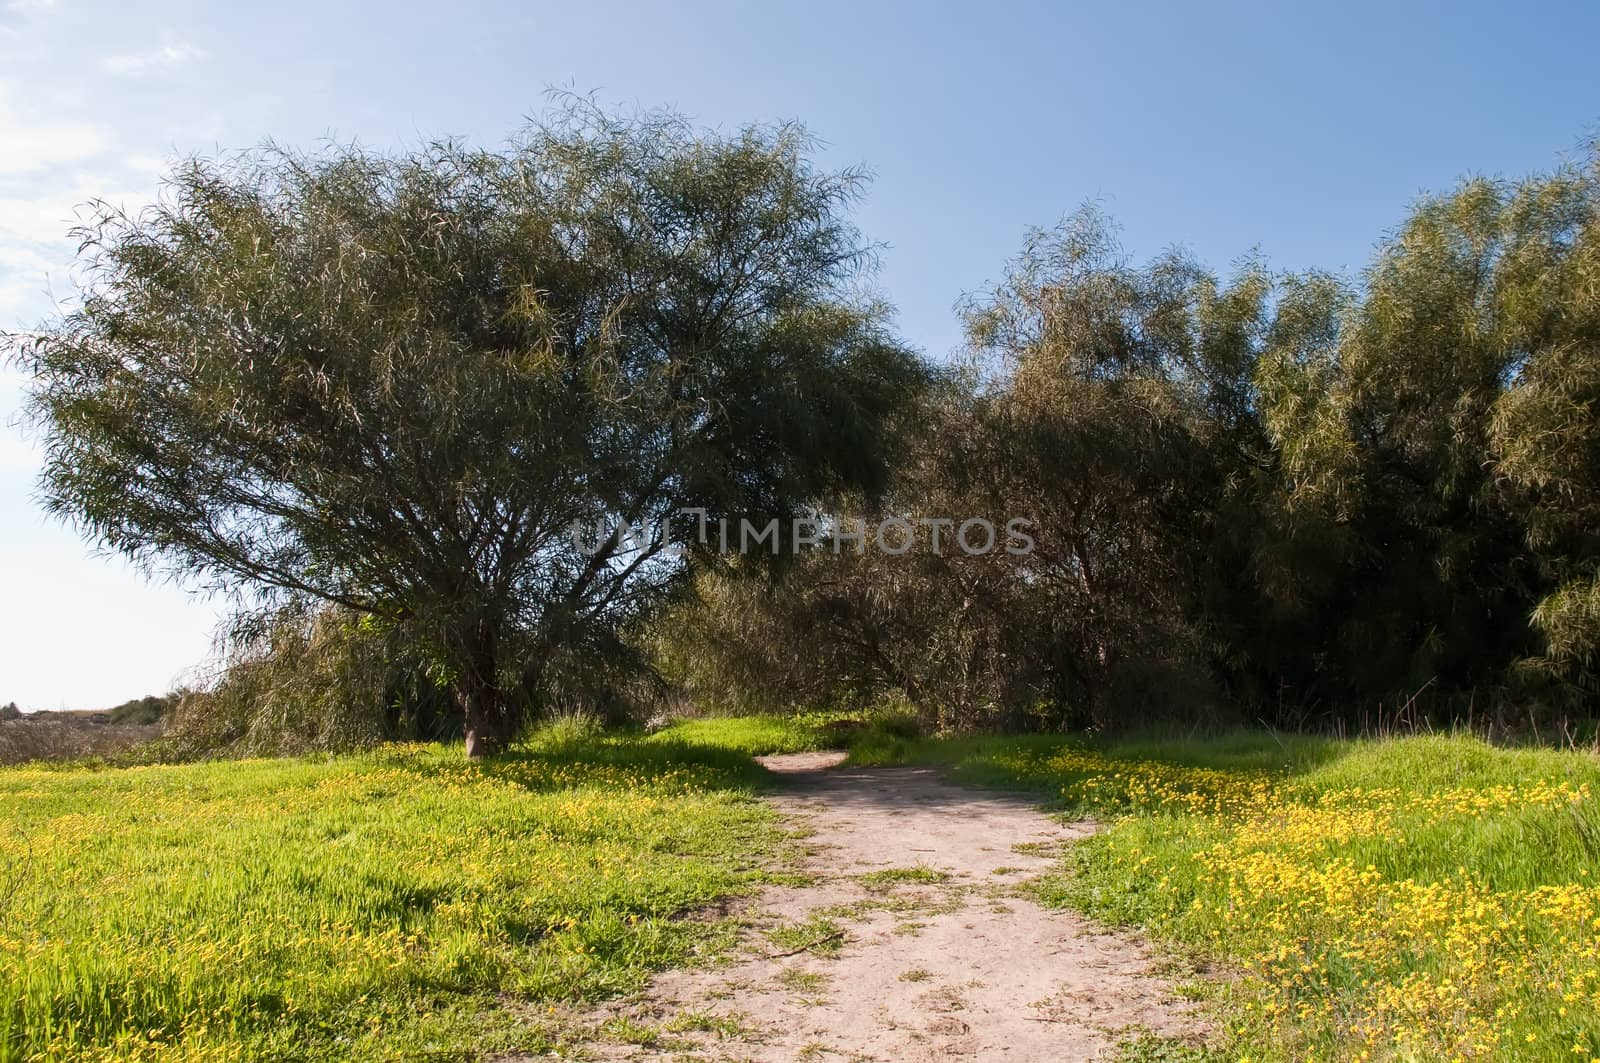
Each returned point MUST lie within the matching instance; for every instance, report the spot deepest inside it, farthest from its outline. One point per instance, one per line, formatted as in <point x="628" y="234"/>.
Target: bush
<point x="301" y="679"/>
<point x="146" y="710"/>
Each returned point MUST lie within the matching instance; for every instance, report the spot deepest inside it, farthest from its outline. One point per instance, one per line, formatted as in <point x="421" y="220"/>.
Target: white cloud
<point x="134" y="65"/>
<point x="38" y="263"/>
<point x="154" y="167"/>
<point x="32" y="147"/>
<point x="46" y="218"/>
<point x="26" y="146"/>
<point x="30" y="6"/>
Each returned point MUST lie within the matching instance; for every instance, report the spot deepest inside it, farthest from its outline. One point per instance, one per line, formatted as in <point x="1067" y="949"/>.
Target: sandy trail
<point x="940" y="958"/>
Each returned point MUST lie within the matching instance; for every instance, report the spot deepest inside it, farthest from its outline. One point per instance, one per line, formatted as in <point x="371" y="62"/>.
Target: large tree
<point x="1438" y="429"/>
<point x="1545" y="427"/>
<point x="397" y="381"/>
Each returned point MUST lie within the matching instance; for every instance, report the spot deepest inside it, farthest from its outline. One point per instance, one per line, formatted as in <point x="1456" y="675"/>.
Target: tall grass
<point x="69" y="736"/>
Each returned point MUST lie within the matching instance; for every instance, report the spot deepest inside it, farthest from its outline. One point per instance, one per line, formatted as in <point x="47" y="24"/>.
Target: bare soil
<point x="909" y="940"/>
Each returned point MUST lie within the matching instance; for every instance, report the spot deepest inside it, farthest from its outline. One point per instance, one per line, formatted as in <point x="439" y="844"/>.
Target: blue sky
<point x="1225" y="128"/>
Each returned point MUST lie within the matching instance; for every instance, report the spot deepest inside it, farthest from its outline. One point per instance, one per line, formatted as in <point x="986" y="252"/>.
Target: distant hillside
<point x="70" y="734"/>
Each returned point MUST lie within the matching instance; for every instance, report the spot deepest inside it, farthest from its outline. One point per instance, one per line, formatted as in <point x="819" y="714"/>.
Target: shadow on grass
<point x="604" y="759"/>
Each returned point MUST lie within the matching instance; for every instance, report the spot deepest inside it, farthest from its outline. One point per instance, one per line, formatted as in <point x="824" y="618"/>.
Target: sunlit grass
<point x="875" y="728"/>
<point x="1423" y="898"/>
<point x="758" y="735"/>
<point x="387" y="905"/>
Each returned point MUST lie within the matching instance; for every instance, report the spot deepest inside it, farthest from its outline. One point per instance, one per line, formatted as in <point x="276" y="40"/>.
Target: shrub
<point x="146" y="710"/>
<point x="302" y="679"/>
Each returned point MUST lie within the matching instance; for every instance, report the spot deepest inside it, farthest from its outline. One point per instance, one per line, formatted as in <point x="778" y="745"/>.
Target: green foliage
<point x="1546" y="431"/>
<point x="372" y="906"/>
<point x="146" y="710"/>
<point x="566" y="730"/>
<point x="304" y="678"/>
<point x="1282" y="497"/>
<point x="1443" y="451"/>
<point x="1099" y="404"/>
<point x="392" y="383"/>
<point x="396" y="382"/>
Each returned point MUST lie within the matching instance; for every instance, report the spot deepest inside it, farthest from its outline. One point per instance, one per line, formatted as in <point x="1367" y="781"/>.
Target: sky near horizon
<point x="1228" y="129"/>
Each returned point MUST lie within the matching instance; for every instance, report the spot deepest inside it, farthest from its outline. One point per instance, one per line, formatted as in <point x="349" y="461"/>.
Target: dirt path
<point x="910" y="942"/>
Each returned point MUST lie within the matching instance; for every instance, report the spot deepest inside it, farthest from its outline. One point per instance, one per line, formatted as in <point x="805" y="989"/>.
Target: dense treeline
<point x="1289" y="497"/>
<point x="377" y="392"/>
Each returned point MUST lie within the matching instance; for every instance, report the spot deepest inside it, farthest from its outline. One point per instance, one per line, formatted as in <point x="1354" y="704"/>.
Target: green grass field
<point x="754" y="736"/>
<point x="1427" y="898"/>
<point x="763" y="733"/>
<point x="1418" y="899"/>
<point x="377" y="906"/>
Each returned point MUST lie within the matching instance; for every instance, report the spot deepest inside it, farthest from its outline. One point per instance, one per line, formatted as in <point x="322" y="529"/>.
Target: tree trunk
<point x="489" y="723"/>
<point x="488" y="729"/>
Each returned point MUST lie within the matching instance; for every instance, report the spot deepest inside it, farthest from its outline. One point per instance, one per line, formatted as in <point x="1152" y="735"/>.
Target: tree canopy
<point x="396" y="382"/>
<point x="1298" y="497"/>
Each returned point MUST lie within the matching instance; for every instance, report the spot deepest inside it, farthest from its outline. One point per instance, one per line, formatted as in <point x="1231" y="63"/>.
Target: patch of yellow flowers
<point x="1358" y="934"/>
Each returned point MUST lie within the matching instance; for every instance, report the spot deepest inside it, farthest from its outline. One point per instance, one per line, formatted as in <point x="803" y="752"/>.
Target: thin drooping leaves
<point x="398" y="382"/>
<point x="1291" y="497"/>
